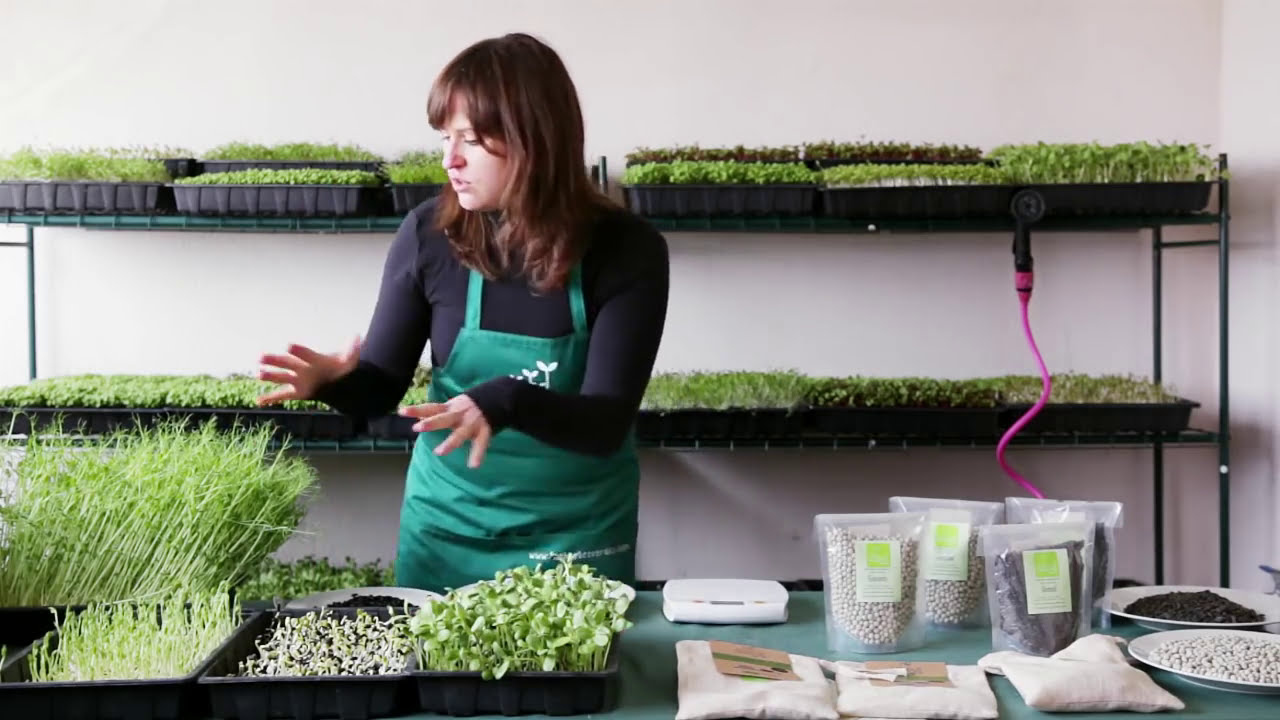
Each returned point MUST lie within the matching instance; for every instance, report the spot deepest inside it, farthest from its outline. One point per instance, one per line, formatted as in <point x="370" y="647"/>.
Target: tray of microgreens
<point x="137" y="660"/>
<point x="530" y="641"/>
<point x="318" y="663"/>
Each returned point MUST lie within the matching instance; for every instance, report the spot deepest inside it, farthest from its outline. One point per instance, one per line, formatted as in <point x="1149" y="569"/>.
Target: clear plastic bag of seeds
<point x="1038" y="585"/>
<point x="1106" y="517"/>
<point x="871" y="575"/>
<point x="954" y="577"/>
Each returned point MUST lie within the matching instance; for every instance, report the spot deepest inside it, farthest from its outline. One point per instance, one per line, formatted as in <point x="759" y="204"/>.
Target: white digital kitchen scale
<point x="724" y="601"/>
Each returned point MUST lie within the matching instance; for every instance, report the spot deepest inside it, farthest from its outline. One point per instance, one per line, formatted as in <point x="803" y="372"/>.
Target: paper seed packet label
<point x="1048" y="581"/>
<point x="947" y="551"/>
<point x="751" y="662"/>
<point x="878" y="570"/>
<point x="919" y="674"/>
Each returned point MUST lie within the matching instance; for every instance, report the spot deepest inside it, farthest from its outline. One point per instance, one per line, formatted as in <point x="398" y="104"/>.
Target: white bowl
<point x="1141" y="649"/>
<point x="1267" y="605"/>
<point x="413" y="595"/>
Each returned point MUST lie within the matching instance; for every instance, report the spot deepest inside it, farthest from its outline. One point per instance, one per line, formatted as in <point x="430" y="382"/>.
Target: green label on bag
<point x="1048" y="583"/>
<point x="947" y="555"/>
<point x="878" y="570"/>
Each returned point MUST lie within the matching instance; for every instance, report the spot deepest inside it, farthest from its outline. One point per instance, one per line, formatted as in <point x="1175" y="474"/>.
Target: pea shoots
<point x="167" y="639"/>
<point x="145" y="513"/>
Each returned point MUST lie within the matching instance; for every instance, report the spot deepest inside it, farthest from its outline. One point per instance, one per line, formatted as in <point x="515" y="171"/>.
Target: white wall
<point x="985" y="72"/>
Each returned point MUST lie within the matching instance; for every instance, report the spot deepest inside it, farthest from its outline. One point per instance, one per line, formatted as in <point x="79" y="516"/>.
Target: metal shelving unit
<point x="1219" y="218"/>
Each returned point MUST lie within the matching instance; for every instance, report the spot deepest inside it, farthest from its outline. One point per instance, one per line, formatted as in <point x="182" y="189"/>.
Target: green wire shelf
<point x="691" y="224"/>
<point x="209" y="223"/>
<point x="868" y="442"/>
<point x="922" y="225"/>
<point x="1184" y="438"/>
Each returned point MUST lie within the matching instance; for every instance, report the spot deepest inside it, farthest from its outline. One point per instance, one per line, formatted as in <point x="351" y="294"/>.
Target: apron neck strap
<point x="577" y="305"/>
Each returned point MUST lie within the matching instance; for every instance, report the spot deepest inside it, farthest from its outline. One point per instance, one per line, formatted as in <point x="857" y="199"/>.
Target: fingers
<point x="309" y="356"/>
<point x="353" y="351"/>
<point x="422" y="411"/>
<point x="479" y="444"/>
<point x="279" y="378"/>
<point x="287" y="393"/>
<point x="439" y="421"/>
<point x="474" y="428"/>
<point x="284" y="362"/>
<point x="455" y="440"/>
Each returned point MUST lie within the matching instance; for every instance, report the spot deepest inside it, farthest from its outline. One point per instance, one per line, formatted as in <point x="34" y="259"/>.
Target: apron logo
<point x="531" y="376"/>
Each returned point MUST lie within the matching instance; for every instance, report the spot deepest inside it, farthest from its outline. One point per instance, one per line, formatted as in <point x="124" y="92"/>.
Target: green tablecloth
<point x="648" y="685"/>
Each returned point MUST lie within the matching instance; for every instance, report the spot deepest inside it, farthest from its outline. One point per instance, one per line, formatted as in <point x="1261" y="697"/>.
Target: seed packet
<point x="954" y="576"/>
<point x="1038" y="585"/>
<point x="872" y="575"/>
<point x="1106" y="516"/>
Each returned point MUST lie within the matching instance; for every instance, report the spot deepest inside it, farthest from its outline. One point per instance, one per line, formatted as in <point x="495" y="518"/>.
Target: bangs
<point x="464" y="88"/>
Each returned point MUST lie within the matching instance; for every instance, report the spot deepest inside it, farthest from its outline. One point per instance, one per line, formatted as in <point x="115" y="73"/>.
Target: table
<point x="648" y="663"/>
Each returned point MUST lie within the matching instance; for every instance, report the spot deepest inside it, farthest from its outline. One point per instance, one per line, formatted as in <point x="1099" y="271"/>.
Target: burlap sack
<point x="704" y="693"/>
<point x="1090" y="675"/>
<point x="859" y="696"/>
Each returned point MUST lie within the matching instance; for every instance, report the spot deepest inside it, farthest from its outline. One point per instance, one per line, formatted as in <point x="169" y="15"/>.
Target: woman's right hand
<point x="301" y="370"/>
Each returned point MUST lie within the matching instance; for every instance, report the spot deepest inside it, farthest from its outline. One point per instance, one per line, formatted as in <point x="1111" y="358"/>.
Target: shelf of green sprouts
<point x="680" y="410"/>
<point x="848" y="188"/>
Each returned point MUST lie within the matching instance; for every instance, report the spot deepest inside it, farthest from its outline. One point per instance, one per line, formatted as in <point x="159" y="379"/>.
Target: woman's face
<point x="477" y="175"/>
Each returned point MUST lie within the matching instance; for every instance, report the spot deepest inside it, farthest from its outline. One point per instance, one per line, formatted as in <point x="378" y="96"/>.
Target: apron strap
<point x="577" y="304"/>
<point x="475" y="291"/>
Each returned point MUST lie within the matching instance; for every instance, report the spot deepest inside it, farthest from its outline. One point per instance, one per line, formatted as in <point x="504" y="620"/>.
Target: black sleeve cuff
<point x="497" y="399"/>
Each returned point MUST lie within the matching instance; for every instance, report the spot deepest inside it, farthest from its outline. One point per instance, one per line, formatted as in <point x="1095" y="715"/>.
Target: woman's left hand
<point x="459" y="413"/>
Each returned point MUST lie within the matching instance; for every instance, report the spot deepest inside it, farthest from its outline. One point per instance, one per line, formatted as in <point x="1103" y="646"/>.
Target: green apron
<point x="528" y="501"/>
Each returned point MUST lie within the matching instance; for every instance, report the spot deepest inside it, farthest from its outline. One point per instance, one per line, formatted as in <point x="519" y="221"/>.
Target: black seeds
<point x="1101" y="561"/>
<point x="1197" y="607"/>
<point x="1042" y="634"/>
<point x="369" y="601"/>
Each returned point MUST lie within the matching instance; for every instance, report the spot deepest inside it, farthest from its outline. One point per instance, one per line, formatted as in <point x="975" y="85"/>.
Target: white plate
<point x="1142" y="647"/>
<point x="1267" y="605"/>
<point x="413" y="595"/>
<point x="622" y="589"/>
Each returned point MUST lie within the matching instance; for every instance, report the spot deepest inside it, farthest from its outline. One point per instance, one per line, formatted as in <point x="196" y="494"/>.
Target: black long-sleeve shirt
<point x="625" y="278"/>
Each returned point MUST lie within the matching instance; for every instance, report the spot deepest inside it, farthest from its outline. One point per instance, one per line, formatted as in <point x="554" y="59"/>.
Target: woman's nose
<point x="452" y="158"/>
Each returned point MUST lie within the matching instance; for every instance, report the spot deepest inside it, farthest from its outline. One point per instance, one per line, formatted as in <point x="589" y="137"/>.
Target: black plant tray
<point x="905" y="421"/>
<point x="933" y="201"/>
<point x="1156" y="198"/>
<point x="180" y="167"/>
<point x="275" y="200"/>
<point x="217" y="166"/>
<point x="392" y="427"/>
<point x="160" y="699"/>
<point x="405" y="197"/>
<point x="1102" y="417"/>
<point x="86" y="421"/>
<point x="84" y="197"/>
<point x="721" y="200"/>
<point x="299" y="424"/>
<point x="738" y="424"/>
<point x="299" y="698"/>
<point x="21" y="626"/>
<point x="519" y="693"/>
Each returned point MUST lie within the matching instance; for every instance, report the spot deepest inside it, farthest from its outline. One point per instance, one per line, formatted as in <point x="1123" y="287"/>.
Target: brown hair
<point x="516" y="90"/>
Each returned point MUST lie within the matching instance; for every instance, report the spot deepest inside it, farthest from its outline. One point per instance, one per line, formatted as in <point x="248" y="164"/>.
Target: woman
<point x="544" y="304"/>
